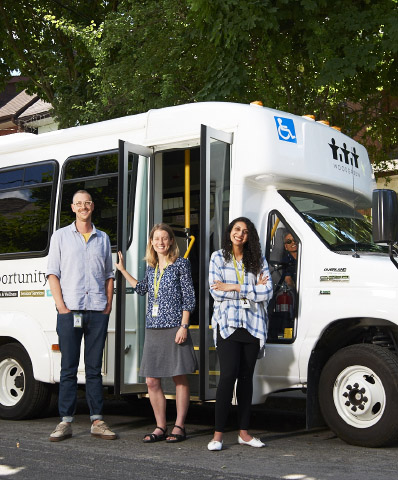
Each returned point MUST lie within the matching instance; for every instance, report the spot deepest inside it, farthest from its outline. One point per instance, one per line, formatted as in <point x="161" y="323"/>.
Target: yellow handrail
<point x="274" y="228"/>
<point x="187" y="190"/>
<point x="189" y="246"/>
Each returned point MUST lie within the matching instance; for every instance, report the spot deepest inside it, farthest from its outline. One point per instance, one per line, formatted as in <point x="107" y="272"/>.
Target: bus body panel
<point x="26" y="330"/>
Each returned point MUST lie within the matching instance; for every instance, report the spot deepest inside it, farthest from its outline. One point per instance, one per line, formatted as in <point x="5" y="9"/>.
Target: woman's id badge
<point x="77" y="320"/>
<point x="244" y="303"/>
<point x="155" y="310"/>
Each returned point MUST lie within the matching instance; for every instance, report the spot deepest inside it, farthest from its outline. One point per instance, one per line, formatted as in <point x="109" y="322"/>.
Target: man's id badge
<point x="77" y="320"/>
<point x="244" y="303"/>
<point x="155" y="310"/>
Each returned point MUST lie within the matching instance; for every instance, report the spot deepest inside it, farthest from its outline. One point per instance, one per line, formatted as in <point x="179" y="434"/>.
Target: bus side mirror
<point x="385" y="216"/>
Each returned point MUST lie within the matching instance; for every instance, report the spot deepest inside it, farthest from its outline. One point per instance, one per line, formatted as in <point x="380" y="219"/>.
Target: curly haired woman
<point x="241" y="286"/>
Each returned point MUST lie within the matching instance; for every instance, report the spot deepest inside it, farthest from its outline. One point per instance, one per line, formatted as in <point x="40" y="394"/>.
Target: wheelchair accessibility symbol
<point x="286" y="130"/>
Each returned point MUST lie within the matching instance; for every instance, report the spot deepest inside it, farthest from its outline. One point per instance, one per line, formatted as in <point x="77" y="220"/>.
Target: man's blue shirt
<point x="81" y="267"/>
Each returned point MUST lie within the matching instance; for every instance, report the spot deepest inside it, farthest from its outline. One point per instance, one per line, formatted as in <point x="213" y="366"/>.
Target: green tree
<point x="95" y="60"/>
<point x="51" y="53"/>
<point x="337" y="60"/>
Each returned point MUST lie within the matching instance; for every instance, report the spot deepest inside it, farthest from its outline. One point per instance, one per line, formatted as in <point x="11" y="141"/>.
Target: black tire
<point x="21" y="396"/>
<point x="51" y="405"/>
<point x="358" y="395"/>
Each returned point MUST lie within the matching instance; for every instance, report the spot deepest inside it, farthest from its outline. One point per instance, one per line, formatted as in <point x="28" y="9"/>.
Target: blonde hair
<point x="151" y="256"/>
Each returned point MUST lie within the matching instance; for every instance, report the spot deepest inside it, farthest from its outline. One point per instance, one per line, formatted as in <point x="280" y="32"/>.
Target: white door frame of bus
<point x="122" y="239"/>
<point x="206" y="135"/>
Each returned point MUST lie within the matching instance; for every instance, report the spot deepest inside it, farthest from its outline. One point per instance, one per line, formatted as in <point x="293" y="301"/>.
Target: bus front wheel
<point x="21" y="396"/>
<point x="358" y="392"/>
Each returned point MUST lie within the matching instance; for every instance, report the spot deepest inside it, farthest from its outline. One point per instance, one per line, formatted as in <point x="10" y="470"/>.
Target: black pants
<point x="237" y="355"/>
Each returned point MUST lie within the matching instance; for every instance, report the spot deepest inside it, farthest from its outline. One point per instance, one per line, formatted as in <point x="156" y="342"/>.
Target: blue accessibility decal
<point x="286" y="130"/>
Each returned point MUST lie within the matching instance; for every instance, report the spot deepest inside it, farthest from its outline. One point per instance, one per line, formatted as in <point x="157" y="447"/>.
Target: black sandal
<point x="155" y="438"/>
<point x="177" y="437"/>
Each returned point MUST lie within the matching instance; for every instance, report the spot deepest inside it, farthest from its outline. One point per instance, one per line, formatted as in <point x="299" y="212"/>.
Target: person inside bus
<point x="241" y="286"/>
<point x="168" y="349"/>
<point x="83" y="292"/>
<point x="290" y="260"/>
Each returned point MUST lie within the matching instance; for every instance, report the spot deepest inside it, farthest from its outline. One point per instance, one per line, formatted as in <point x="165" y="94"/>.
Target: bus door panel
<point x="132" y="234"/>
<point x="215" y="167"/>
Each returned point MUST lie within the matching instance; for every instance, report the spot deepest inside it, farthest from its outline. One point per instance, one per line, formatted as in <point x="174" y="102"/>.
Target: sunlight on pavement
<point x="298" y="476"/>
<point x="6" y="470"/>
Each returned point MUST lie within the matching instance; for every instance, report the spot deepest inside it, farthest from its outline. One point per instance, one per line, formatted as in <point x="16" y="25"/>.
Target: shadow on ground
<point x="279" y="413"/>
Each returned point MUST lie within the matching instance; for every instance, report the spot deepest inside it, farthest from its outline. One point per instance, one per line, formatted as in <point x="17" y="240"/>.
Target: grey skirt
<point x="162" y="357"/>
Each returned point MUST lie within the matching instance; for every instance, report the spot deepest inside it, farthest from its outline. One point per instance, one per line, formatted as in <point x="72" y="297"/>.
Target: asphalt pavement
<point x="291" y="452"/>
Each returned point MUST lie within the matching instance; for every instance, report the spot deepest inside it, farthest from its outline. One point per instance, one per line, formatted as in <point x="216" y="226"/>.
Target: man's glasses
<point x="88" y="203"/>
<point x="288" y="242"/>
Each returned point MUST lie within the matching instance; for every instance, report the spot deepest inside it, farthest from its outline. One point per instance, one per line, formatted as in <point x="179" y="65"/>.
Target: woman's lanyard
<point x="156" y="285"/>
<point x="241" y="278"/>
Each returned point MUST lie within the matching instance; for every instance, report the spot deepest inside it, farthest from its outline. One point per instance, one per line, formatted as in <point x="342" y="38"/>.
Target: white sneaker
<point x="214" y="446"/>
<point x="254" y="442"/>
<point x="62" y="431"/>
<point x="101" y="430"/>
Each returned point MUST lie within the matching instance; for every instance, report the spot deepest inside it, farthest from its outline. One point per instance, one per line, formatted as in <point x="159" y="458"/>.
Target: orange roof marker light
<point x="336" y="128"/>
<point x="257" y="102"/>
<point x="324" y="122"/>
<point x="309" y="117"/>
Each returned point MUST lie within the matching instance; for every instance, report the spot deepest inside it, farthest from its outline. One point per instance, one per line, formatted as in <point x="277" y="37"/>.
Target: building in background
<point x="21" y="112"/>
<point x="388" y="177"/>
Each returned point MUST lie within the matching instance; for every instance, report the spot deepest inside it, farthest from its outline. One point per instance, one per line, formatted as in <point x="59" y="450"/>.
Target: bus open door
<point x="188" y="188"/>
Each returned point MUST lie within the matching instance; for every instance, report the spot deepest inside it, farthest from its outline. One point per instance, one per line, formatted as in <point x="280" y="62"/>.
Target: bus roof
<point x="270" y="147"/>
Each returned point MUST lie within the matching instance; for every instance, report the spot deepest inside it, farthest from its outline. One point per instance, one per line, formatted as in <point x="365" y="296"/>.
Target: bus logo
<point x="343" y="154"/>
<point x="31" y="293"/>
<point x="286" y="130"/>
<point x="7" y="294"/>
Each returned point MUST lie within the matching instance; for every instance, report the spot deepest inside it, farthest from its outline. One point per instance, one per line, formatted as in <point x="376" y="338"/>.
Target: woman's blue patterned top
<point x="176" y="293"/>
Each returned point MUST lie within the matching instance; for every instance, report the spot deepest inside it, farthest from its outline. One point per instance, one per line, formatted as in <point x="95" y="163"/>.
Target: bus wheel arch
<point x="358" y="388"/>
<point x="338" y="335"/>
<point x="21" y="396"/>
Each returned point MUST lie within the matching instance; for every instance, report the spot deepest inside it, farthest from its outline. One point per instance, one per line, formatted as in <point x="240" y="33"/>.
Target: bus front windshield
<point x="340" y="226"/>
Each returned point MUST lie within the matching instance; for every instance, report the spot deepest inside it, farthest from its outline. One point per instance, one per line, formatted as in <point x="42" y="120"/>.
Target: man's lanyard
<point x="156" y="283"/>
<point x="240" y="278"/>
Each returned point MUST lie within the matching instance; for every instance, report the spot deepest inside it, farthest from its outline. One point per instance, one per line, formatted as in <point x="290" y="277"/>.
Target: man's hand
<point x="107" y="310"/>
<point x="63" y="310"/>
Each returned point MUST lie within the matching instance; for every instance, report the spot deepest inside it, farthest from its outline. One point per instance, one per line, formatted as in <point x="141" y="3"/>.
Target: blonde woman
<point x="168" y="349"/>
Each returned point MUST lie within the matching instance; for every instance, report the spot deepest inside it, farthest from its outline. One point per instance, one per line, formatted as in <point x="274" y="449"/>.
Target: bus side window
<point x="26" y="198"/>
<point x="98" y="174"/>
<point x="282" y="253"/>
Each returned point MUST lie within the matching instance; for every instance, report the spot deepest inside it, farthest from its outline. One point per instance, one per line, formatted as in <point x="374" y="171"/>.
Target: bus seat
<point x="276" y="255"/>
<point x="278" y="248"/>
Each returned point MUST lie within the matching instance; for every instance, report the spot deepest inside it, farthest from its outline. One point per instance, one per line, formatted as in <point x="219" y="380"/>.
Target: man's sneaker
<point x="101" y="430"/>
<point x="62" y="432"/>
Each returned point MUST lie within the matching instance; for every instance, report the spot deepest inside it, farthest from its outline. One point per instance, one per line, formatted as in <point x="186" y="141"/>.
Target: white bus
<point x="196" y="167"/>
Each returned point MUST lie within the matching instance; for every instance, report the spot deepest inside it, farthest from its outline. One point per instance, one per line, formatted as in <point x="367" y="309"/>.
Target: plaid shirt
<point x="228" y="313"/>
